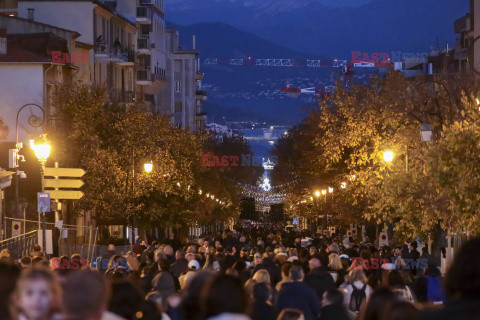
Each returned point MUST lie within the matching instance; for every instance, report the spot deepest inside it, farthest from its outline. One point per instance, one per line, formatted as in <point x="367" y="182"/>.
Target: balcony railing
<point x="121" y="96"/>
<point x="143" y="41"/>
<point x="144" y="74"/>
<point x="201" y="92"/>
<point x="113" y="51"/>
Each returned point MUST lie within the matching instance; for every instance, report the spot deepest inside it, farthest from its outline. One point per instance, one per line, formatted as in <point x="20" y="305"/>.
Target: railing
<point x="143" y="41"/>
<point x="201" y="92"/>
<point x="20" y="246"/>
<point x="115" y="52"/>
<point x="121" y="96"/>
<point x="144" y="74"/>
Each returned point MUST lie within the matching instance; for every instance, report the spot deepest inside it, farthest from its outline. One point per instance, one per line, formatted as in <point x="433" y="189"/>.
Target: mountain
<point x="252" y="93"/>
<point x="220" y="40"/>
<point x="314" y="27"/>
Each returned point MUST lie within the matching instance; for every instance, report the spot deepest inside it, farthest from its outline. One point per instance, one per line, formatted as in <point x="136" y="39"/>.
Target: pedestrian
<point x="399" y="288"/>
<point x="286" y="266"/>
<point x="462" y="286"/>
<point x="333" y="307"/>
<point x="85" y="296"/>
<point x="380" y="300"/>
<point x="163" y="281"/>
<point x="429" y="287"/>
<point x="224" y="298"/>
<point x="401" y="310"/>
<point x="37" y="295"/>
<point x="319" y="279"/>
<point x="356" y="290"/>
<point x="299" y="295"/>
<point x="180" y="265"/>
<point x="262" y="308"/>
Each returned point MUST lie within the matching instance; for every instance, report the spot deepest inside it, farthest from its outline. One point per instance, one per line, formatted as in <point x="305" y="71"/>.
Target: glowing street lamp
<point x="324" y="191"/>
<point x="317" y="193"/>
<point x="330" y="190"/>
<point x="41" y="148"/>
<point x="343" y="185"/>
<point x="388" y="156"/>
<point x="148" y="167"/>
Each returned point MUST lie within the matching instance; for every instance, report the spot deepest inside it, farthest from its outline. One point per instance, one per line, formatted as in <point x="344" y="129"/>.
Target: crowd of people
<point x="241" y="275"/>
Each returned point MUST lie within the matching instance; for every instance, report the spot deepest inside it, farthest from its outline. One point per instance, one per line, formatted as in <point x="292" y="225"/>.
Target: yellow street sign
<point x="64" y="172"/>
<point x="63" y="183"/>
<point x="65" y="194"/>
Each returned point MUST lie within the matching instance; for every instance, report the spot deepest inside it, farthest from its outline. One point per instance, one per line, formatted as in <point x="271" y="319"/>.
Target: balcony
<point x="462" y="24"/>
<point x="119" y="96"/>
<point x="201" y="95"/>
<point x="199" y="76"/>
<point x="156" y="3"/>
<point x="111" y="53"/>
<point x="144" y="77"/>
<point x="144" y="15"/>
<point x="143" y="44"/>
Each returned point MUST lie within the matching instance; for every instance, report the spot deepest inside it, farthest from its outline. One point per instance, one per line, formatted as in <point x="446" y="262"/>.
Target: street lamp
<point x="148" y="167"/>
<point x="42" y="149"/>
<point x="388" y="156"/>
<point x="317" y="193"/>
<point x="426" y="131"/>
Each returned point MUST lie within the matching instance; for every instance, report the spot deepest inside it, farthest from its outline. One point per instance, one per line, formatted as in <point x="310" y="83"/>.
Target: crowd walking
<point x="240" y="275"/>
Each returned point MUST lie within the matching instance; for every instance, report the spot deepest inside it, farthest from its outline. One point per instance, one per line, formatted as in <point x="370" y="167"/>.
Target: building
<point x="111" y="36"/>
<point x="27" y="72"/>
<point x="182" y="97"/>
<point x="150" y="62"/>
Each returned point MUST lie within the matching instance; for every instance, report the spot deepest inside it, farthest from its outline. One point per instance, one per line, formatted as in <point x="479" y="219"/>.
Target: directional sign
<point x="66" y="195"/>
<point x="64" y="172"/>
<point x="43" y="200"/>
<point x="64" y="183"/>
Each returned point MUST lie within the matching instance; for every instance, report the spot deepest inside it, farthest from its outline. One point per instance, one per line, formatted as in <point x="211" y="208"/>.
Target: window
<point x="178" y="106"/>
<point x="178" y="86"/>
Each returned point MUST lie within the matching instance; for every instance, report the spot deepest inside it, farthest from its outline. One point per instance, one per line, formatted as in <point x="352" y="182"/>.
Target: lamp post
<point x="34" y="121"/>
<point x="42" y="149"/>
<point x="148" y="168"/>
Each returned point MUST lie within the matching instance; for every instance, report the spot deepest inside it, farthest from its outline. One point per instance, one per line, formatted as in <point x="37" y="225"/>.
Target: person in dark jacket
<point x="273" y="270"/>
<point x="462" y="286"/>
<point x="261" y="309"/>
<point x="180" y="265"/>
<point x="299" y="295"/>
<point x="319" y="279"/>
<point x="163" y="281"/>
<point x="333" y="307"/>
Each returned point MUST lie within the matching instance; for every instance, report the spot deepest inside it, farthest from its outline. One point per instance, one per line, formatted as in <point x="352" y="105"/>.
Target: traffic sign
<point x="63" y="183"/>
<point x="43" y="201"/>
<point x="66" y="194"/>
<point x="64" y="172"/>
<point x="16" y="228"/>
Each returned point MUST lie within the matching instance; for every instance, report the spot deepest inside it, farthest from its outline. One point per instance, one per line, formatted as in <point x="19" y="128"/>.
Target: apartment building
<point x="150" y="62"/>
<point x="467" y="48"/>
<point x="28" y="74"/>
<point x="181" y="98"/>
<point x="111" y="36"/>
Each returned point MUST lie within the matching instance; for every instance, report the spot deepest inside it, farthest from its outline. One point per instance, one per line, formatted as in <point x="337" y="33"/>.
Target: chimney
<point x="194" y="42"/>
<point x="31" y="14"/>
<point x="3" y="42"/>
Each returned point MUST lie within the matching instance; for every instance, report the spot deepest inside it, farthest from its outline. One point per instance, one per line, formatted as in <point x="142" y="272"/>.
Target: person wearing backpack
<point x="356" y="291"/>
